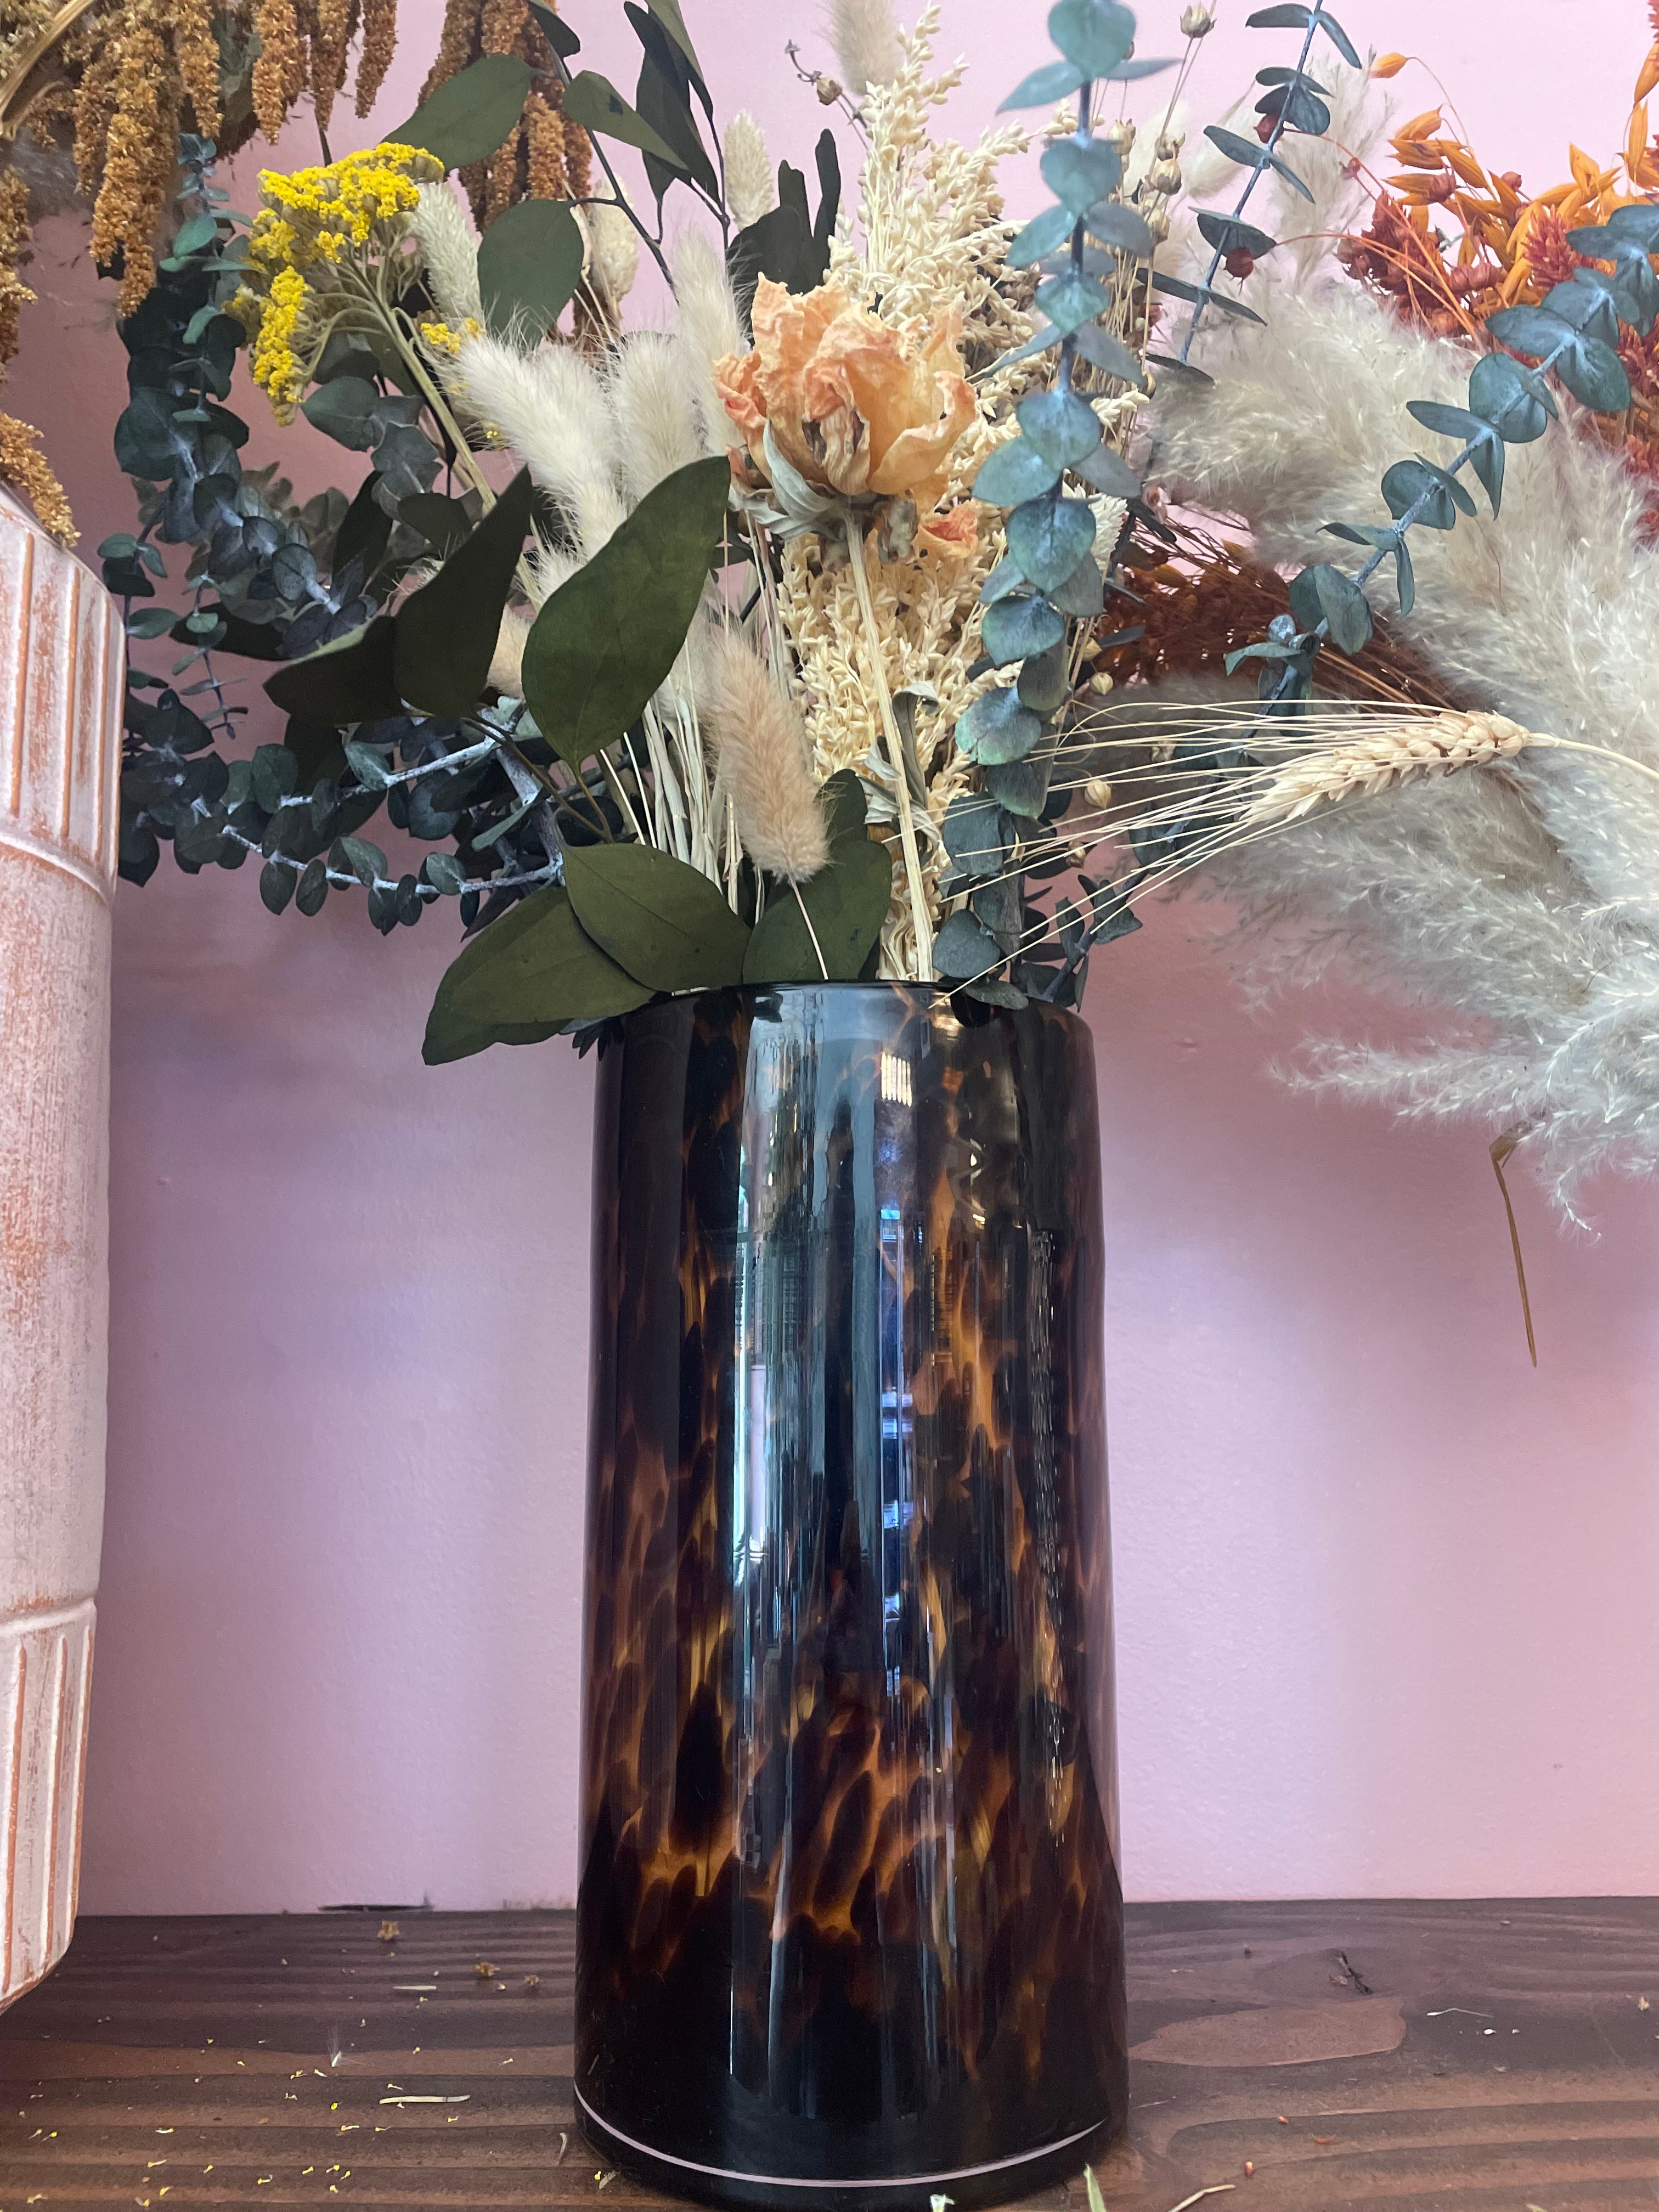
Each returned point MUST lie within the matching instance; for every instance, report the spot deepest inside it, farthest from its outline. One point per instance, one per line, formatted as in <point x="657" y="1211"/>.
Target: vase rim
<point x="880" y="986"/>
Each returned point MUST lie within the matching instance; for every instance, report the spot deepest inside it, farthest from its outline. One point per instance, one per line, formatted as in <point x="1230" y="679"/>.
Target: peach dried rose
<point x="855" y="406"/>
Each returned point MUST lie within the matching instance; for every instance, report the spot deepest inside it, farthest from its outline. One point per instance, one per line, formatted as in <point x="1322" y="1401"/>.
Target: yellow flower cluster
<point x="276" y="366"/>
<point x="447" y="339"/>
<point x="349" y="209"/>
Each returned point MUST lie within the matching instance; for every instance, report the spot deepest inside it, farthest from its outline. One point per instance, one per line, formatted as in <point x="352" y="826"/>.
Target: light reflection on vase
<point x="850" y="1918"/>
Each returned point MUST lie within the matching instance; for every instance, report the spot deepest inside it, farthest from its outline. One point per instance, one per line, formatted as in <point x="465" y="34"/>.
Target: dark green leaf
<point x="1177" y="288"/>
<point x="1385" y="541"/>
<point x="1341" y="605"/>
<point x="557" y="33"/>
<point x="1022" y="787"/>
<point x="1079" y="174"/>
<point x="1041" y="236"/>
<point x="1062" y="427"/>
<point x="1291" y="16"/>
<point x="1298" y="106"/>
<point x="446" y="631"/>
<point x="365" y="530"/>
<point x="664" y="922"/>
<point x="469" y="116"/>
<point x="1636" y="226"/>
<point x="1107" y="471"/>
<point x="1044" y="87"/>
<point x="313" y="886"/>
<point x="368" y="766"/>
<point x="1486" y="446"/>
<point x="997" y="727"/>
<point x="1015" y="627"/>
<point x="365" y="861"/>
<point x="445" y="873"/>
<point x="443" y="523"/>
<point x="151" y="622"/>
<point x="522" y="979"/>
<point x="847" y="901"/>
<point x="594" y="102"/>
<point x="1516" y="401"/>
<point x="1595" y="375"/>
<point x="1096" y="35"/>
<point x="1584" y="306"/>
<point x="607" y="638"/>
<point x="277" y="884"/>
<point x="530" y="262"/>
<point x="1049" y="537"/>
<point x="352" y="681"/>
<point x="1408" y="483"/>
<point x="1530" y="330"/>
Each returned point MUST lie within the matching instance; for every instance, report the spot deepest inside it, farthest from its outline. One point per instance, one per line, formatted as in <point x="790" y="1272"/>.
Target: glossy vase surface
<point x="850" y="1920"/>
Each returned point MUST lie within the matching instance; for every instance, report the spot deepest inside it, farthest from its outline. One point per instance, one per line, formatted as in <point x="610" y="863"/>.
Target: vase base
<point x="994" y="2183"/>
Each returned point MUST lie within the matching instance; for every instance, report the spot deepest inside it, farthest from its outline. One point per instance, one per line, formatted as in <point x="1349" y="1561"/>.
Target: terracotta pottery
<point x="60" y="756"/>
<point x="850" y="1929"/>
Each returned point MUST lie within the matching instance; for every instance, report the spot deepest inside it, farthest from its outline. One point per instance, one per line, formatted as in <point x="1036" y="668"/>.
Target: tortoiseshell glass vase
<point x="850" y="1925"/>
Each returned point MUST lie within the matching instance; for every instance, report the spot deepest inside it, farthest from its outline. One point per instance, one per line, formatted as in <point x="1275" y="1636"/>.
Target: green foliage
<point x="530" y="263"/>
<point x="789" y="244"/>
<point x="847" y="902"/>
<point x="523" y="979"/>
<point x="469" y="115"/>
<point x="667" y="923"/>
<point x="607" y="638"/>
<point x="446" y="631"/>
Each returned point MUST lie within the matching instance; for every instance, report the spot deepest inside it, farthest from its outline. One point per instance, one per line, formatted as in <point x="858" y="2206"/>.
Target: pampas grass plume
<point x="762" y="753"/>
<point x="750" y="190"/>
<point x="657" y="426"/>
<point x="708" y="329"/>
<point x="868" y="44"/>
<point x="549" y="406"/>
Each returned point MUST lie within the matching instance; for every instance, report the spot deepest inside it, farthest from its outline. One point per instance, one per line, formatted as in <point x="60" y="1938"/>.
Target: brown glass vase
<point x="850" y="1923"/>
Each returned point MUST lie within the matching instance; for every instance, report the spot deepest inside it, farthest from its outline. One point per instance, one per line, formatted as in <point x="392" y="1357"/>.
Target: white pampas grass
<point x="1546" y="613"/>
<point x="706" y="329"/>
<point x="763" y="759"/>
<point x="867" y="42"/>
<point x="613" y="250"/>
<point x="451" y="254"/>
<point x="655" y="409"/>
<point x="750" y="191"/>
<point x="548" y="406"/>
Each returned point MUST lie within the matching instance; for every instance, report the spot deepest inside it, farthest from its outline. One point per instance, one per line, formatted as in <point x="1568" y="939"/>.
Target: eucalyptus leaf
<point x="1049" y="537"/>
<point x="1062" y="427"/>
<point x="660" y="918"/>
<point x="1290" y="15"/>
<point x="1228" y="234"/>
<point x="1041" y="235"/>
<point x="1045" y="680"/>
<point x="522" y="979"/>
<point x="1082" y="594"/>
<point x="1096" y="35"/>
<point x="447" y="630"/>
<point x="1124" y="228"/>
<point x="1109" y="355"/>
<point x="1342" y="606"/>
<point x="344" y="409"/>
<point x="1015" y="627"/>
<point x="1251" y="153"/>
<point x="1484" y="445"/>
<point x="1044" y="86"/>
<point x="1107" y="471"/>
<point x="1022" y="787"/>
<point x="962" y="948"/>
<point x="277" y="884"/>
<point x="1418" y="485"/>
<point x="1514" y="400"/>
<point x="530" y="262"/>
<point x="606" y="640"/>
<point x="1070" y="300"/>
<point x="997" y="728"/>
<point x="1079" y="174"/>
<point x="470" y="114"/>
<point x="1015" y="470"/>
<point x="1201" y="296"/>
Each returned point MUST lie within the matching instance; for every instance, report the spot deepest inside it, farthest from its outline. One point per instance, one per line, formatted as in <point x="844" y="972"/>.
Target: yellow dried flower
<point x="354" y="207"/>
<point x="25" y="468"/>
<point x="276" y="366"/>
<point x="444" y="338"/>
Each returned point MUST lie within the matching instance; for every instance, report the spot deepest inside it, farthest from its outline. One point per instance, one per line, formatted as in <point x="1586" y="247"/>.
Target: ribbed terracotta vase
<point x="60" y="752"/>
<point x="850" y="1923"/>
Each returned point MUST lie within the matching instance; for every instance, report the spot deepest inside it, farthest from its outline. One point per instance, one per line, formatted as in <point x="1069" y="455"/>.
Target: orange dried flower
<point x="279" y="73"/>
<point x="544" y="129"/>
<point x="854" y="405"/>
<point x="379" y="44"/>
<point x="26" y="469"/>
<point x="1389" y="64"/>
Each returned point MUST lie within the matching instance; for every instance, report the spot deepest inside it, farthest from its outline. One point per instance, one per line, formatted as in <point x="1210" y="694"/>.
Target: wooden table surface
<point x="1411" y="2057"/>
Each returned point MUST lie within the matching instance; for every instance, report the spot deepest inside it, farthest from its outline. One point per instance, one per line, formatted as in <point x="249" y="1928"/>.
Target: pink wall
<point x="1386" y="1620"/>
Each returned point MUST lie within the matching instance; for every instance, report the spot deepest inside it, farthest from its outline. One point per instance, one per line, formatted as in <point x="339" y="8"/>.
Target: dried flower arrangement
<point x="785" y="655"/>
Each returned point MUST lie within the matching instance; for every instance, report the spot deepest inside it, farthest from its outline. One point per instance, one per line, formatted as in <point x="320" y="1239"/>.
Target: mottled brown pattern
<point x="850" y="1907"/>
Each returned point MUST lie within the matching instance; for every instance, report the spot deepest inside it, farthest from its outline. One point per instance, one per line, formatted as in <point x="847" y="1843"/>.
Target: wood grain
<point x="1466" y="2058"/>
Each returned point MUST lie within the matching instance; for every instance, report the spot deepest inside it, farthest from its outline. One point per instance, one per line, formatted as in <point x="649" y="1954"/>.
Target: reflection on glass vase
<point x="850" y="1920"/>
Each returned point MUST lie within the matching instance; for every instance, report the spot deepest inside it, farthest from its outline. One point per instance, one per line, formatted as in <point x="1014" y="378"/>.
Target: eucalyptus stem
<point x="1251" y="182"/>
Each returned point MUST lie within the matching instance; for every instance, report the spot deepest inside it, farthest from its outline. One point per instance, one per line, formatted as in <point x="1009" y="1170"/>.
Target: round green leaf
<point x="1062" y="427"/>
<point x="1019" y="626"/>
<point x="1049" y="537"/>
<point x="997" y="727"/>
<point x="1080" y="172"/>
<point x="1013" y="472"/>
<point x="530" y="261"/>
<point x="469" y="115"/>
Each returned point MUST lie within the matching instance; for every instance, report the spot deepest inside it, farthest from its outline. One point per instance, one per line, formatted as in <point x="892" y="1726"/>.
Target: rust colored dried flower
<point x="25" y="468"/>
<point x="138" y="156"/>
<point x="335" y="22"/>
<point x="197" y="51"/>
<point x="544" y="129"/>
<point x="279" y="73"/>
<point x="14" y="239"/>
<point x="379" y="44"/>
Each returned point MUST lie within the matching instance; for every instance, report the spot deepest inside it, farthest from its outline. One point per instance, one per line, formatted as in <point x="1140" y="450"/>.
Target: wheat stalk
<point x="1385" y="757"/>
